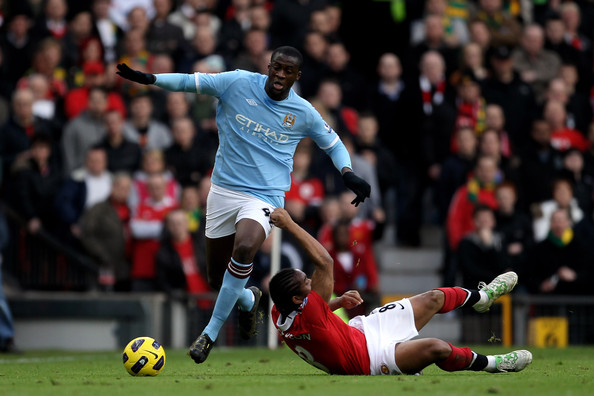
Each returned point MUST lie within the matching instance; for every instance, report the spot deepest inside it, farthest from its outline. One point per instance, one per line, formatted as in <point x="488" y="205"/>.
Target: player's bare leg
<point x="248" y="238"/>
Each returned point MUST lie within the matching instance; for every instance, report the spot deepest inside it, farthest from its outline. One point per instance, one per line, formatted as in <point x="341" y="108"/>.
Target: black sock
<point x="474" y="297"/>
<point x="479" y="364"/>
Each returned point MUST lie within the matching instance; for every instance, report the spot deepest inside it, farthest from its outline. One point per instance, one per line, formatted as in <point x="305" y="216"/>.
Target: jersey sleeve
<point x="216" y="84"/>
<point x="328" y="140"/>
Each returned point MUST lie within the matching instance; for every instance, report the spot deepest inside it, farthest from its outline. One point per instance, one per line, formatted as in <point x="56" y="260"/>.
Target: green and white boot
<point x="511" y="362"/>
<point x="499" y="286"/>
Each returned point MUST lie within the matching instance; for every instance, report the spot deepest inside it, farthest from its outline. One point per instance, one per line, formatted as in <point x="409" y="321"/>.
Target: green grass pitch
<point x="261" y="372"/>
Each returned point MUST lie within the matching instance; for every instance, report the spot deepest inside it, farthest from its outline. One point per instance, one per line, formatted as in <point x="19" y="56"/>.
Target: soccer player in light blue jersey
<point x="260" y="121"/>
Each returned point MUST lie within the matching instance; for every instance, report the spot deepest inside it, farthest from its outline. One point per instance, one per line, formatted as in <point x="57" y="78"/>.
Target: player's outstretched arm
<point x="322" y="280"/>
<point x="348" y="300"/>
<point x="177" y="82"/>
<point x="357" y="185"/>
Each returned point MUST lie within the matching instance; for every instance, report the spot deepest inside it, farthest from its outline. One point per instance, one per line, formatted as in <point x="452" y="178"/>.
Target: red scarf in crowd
<point x="431" y="97"/>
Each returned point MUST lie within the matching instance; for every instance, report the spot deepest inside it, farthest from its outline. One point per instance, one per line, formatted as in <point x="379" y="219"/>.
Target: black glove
<point x="358" y="186"/>
<point x="135" y="75"/>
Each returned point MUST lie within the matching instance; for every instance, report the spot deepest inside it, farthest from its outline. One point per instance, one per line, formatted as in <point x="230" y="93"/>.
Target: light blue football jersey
<point x="258" y="135"/>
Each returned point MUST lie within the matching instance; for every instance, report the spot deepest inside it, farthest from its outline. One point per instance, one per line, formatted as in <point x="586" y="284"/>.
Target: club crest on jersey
<point x="384" y="369"/>
<point x="289" y="120"/>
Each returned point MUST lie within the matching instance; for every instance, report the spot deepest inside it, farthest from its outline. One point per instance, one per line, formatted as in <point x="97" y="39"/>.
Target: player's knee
<point x="434" y="300"/>
<point x="438" y="349"/>
<point x="244" y="252"/>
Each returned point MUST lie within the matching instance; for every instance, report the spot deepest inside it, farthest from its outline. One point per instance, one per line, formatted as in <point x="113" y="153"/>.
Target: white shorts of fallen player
<point x="384" y="328"/>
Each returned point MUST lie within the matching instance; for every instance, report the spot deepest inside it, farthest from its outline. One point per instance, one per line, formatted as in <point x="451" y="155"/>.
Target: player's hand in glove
<point x="358" y="186"/>
<point x="135" y="75"/>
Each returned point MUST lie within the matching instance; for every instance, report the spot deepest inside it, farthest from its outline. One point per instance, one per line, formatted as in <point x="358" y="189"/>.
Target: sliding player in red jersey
<point x="381" y="342"/>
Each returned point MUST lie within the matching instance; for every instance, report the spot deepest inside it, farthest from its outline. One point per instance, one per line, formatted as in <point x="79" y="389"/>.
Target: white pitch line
<point x="51" y="359"/>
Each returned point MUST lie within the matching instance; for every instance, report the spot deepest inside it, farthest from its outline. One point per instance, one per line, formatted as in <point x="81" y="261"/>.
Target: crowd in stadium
<point x="476" y="116"/>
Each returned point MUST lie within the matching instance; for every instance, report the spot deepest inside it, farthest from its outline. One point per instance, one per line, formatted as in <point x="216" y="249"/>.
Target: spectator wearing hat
<point x="505" y="88"/>
<point x="17" y="45"/>
<point x="77" y="99"/>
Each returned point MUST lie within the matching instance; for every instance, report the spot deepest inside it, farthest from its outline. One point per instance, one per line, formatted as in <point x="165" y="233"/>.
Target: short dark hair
<point x="283" y="286"/>
<point x="289" y="51"/>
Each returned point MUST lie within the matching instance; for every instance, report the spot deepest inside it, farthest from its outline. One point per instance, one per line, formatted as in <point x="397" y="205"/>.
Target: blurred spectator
<point x="17" y="132"/>
<point x="514" y="225"/>
<point x="105" y="234"/>
<point x="455" y="29"/>
<point x="84" y="131"/>
<point x="143" y="129"/>
<point x="572" y="21"/>
<point x="578" y="105"/>
<point x="180" y="261"/>
<point x="76" y="41"/>
<point x="17" y="44"/>
<point x="146" y="227"/>
<point x="191" y="204"/>
<point x="490" y="145"/>
<point x="188" y="14"/>
<point x="178" y="106"/>
<point x="164" y="37"/>
<point x="203" y="45"/>
<point x="306" y="193"/>
<point x="235" y="25"/>
<point x="77" y="100"/>
<point x="536" y="65"/>
<point x="563" y="198"/>
<point x="562" y="137"/>
<point x="290" y="20"/>
<point x="122" y="154"/>
<point x="261" y="274"/>
<point x="354" y="268"/>
<point x="481" y="252"/>
<point x="561" y="263"/>
<point x="36" y="184"/>
<point x="43" y="105"/>
<point x="473" y="63"/>
<point x="555" y="39"/>
<point x="480" y="189"/>
<point x="52" y="21"/>
<point x="254" y="45"/>
<point x="540" y="164"/>
<point x="135" y="54"/>
<point x="341" y="117"/>
<point x="435" y="39"/>
<point x="47" y="60"/>
<point x="470" y="104"/>
<point x="505" y="88"/>
<point x="84" y="188"/>
<point x="503" y="28"/>
<point x="480" y="35"/>
<point x="153" y="163"/>
<point x="351" y="80"/>
<point x="186" y="158"/>
<point x="372" y="149"/>
<point x="315" y="46"/>
<point x="109" y="32"/>
<point x="456" y="169"/>
<point x="583" y="183"/>
<point x="120" y="11"/>
<point x="495" y="120"/>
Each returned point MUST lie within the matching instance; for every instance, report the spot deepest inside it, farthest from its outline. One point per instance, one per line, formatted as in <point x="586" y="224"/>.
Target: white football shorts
<point x="385" y="327"/>
<point x="224" y="208"/>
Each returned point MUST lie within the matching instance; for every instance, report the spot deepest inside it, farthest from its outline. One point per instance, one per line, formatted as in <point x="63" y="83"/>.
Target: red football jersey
<point x="323" y="340"/>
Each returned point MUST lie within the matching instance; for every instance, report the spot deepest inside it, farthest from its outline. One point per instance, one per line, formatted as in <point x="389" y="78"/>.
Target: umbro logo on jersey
<point x="251" y="102"/>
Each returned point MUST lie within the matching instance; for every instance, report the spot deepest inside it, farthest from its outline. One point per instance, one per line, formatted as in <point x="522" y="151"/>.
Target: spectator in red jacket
<point x="479" y="189"/>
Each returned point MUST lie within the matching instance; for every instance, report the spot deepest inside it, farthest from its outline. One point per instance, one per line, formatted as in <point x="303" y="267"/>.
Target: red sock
<point x="454" y="297"/>
<point x="459" y="359"/>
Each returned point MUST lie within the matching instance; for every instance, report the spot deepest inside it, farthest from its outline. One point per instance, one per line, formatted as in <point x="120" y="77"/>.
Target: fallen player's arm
<point x="322" y="279"/>
<point x="348" y="300"/>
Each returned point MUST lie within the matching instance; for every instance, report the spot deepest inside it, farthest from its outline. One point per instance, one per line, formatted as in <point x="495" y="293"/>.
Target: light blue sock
<point x="246" y="300"/>
<point x="231" y="290"/>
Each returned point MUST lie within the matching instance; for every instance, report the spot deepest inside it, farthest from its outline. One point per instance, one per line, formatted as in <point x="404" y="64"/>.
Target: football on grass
<point x="144" y="356"/>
